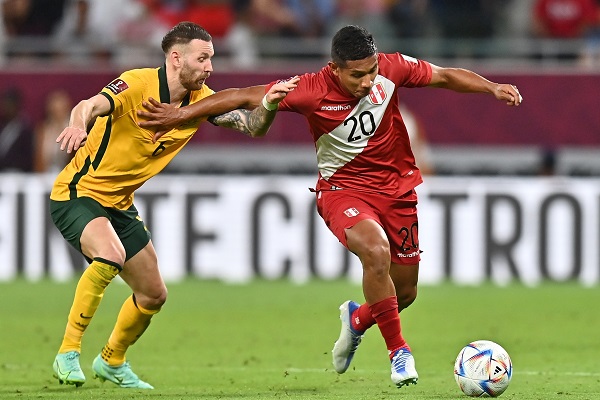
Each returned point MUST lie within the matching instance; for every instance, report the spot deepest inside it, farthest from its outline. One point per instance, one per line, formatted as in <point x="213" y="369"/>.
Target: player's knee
<point x="367" y="240"/>
<point x="406" y="296"/>
<point x="152" y="301"/>
<point x="114" y="253"/>
<point x="156" y="302"/>
<point x="375" y="260"/>
<point x="375" y="253"/>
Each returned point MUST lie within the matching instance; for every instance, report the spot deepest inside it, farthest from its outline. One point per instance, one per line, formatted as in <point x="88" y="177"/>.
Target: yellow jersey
<point x="119" y="156"/>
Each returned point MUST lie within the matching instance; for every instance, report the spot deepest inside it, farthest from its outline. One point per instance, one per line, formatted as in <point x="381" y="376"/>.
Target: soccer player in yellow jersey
<point x="92" y="198"/>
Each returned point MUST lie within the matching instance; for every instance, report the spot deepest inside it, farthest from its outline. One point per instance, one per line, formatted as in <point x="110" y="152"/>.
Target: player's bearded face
<point x="357" y="76"/>
<point x="191" y="78"/>
<point x="196" y="64"/>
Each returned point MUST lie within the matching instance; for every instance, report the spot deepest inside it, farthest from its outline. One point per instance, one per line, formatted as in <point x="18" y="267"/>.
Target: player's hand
<point x="278" y="91"/>
<point x="72" y="138"/>
<point x="508" y="93"/>
<point x="164" y="117"/>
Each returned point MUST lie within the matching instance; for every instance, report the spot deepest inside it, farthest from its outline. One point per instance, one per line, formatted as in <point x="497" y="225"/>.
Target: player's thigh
<point x="131" y="230"/>
<point x="143" y="276"/>
<point x="129" y="236"/>
<point x="99" y="239"/>
<point x="84" y="223"/>
<point x="351" y="219"/>
<point x="368" y="239"/>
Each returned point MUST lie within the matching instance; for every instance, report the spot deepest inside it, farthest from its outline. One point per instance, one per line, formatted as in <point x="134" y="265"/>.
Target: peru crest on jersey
<point x="377" y="95"/>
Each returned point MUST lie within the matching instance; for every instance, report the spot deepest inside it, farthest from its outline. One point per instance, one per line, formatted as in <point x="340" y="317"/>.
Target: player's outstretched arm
<point x="256" y="123"/>
<point x="465" y="81"/>
<point x="75" y="135"/>
<point x="164" y="117"/>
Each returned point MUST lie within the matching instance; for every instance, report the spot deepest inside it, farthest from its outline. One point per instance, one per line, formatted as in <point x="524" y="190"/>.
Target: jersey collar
<point x="163" y="88"/>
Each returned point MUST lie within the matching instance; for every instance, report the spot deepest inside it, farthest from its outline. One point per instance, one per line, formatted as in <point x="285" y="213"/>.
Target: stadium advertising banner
<point x="239" y="228"/>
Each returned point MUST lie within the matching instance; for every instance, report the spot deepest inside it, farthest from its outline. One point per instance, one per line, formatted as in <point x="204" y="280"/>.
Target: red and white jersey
<point x="361" y="144"/>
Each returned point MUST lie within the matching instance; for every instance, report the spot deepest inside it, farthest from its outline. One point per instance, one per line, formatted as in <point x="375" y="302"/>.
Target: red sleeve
<point x="304" y="98"/>
<point x="404" y="70"/>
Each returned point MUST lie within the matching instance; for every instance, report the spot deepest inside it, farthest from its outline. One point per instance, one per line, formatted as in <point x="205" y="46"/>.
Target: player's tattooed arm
<point x="256" y="123"/>
<point x="253" y="123"/>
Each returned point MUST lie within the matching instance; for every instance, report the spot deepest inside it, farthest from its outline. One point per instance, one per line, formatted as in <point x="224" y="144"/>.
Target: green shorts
<point x="72" y="216"/>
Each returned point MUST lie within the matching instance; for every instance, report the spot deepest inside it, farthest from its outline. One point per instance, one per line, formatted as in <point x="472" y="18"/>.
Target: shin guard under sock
<point x="88" y="294"/>
<point x="385" y="313"/>
<point x="131" y="324"/>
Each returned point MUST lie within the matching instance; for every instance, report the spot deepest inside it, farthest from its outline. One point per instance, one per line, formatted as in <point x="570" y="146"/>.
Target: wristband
<point x="269" y="106"/>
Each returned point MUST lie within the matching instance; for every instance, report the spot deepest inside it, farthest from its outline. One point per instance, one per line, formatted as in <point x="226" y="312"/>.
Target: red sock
<point x="386" y="315"/>
<point x="362" y="319"/>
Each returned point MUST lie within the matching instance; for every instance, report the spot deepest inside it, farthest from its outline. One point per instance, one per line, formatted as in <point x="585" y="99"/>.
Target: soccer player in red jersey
<point x="367" y="174"/>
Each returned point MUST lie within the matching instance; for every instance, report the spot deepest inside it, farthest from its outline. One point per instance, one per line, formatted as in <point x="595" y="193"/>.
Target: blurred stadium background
<point x="522" y="182"/>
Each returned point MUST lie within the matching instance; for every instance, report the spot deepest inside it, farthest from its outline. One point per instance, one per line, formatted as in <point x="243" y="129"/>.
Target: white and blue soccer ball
<point x="483" y="369"/>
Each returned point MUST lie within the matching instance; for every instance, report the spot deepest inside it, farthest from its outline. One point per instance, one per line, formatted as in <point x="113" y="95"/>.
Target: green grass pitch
<point x="272" y="340"/>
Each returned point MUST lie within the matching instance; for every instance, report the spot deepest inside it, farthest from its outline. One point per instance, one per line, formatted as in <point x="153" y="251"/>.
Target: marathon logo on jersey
<point x="351" y="212"/>
<point x="339" y="107"/>
<point x="117" y="86"/>
<point x="409" y="255"/>
<point x="377" y="95"/>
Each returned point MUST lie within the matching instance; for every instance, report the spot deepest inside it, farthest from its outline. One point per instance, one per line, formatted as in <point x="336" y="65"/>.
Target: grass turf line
<point x="272" y="340"/>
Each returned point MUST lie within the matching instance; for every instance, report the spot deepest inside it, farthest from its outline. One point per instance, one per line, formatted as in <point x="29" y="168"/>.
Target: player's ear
<point x="176" y="58"/>
<point x="334" y="68"/>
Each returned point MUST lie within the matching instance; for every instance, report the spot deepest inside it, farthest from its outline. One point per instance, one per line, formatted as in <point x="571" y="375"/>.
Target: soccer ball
<point x="483" y="369"/>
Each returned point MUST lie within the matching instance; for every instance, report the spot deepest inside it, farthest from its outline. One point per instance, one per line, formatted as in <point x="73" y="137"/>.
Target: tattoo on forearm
<point x="258" y="118"/>
<point x="236" y="119"/>
<point x="246" y="121"/>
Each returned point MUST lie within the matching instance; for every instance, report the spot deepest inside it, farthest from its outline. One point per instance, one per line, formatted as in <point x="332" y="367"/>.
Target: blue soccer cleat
<point x="346" y="345"/>
<point x="403" y="368"/>
<point x="67" y="369"/>
<point x="121" y="375"/>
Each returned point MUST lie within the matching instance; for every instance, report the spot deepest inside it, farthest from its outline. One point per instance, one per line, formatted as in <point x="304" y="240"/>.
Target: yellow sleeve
<point x="125" y="93"/>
